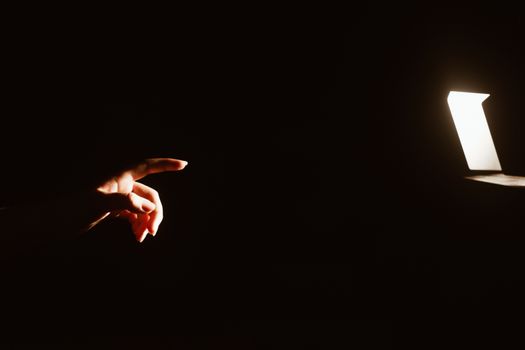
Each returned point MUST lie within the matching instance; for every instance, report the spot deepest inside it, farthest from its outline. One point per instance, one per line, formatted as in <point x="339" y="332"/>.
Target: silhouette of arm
<point x="121" y="195"/>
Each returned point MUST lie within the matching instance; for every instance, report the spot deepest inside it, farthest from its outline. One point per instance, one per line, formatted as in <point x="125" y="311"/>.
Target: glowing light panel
<point x="473" y="130"/>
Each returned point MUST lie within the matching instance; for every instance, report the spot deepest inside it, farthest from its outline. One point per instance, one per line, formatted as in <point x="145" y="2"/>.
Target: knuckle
<point x="131" y="198"/>
<point x="155" y="194"/>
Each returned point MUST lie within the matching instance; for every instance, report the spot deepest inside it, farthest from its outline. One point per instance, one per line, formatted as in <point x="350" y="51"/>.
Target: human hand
<point x="123" y="196"/>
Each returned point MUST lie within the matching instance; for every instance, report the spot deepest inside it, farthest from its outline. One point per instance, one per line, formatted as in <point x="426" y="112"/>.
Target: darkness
<point x="324" y="204"/>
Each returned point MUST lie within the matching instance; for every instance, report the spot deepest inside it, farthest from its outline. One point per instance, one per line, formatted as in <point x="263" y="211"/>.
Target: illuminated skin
<point x="120" y="195"/>
<point x="123" y="196"/>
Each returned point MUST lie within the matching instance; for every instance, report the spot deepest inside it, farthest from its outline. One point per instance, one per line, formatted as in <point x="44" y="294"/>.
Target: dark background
<point x="323" y="204"/>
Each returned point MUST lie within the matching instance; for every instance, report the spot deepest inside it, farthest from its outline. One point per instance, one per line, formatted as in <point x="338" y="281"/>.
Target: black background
<point x="323" y="204"/>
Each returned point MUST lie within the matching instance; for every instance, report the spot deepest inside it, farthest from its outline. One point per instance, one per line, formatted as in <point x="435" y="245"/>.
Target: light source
<point x="473" y="130"/>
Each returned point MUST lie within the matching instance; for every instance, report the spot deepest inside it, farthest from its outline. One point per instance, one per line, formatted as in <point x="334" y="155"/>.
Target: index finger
<point x="157" y="165"/>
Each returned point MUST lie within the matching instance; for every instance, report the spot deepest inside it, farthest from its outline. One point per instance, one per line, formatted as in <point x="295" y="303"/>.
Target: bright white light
<point x="473" y="130"/>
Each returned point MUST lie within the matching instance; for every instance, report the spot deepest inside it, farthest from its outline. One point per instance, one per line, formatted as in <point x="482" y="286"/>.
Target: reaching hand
<point x="123" y="196"/>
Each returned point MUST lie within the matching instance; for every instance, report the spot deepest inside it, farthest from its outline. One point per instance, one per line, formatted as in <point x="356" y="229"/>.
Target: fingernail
<point x="151" y="232"/>
<point x="184" y="163"/>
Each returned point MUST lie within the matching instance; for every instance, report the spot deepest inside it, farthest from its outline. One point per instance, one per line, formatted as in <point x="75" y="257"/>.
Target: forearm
<point x="66" y="216"/>
<point x="47" y="220"/>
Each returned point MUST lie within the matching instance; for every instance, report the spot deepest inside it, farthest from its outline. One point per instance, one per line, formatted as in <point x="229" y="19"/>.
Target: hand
<point x="123" y="196"/>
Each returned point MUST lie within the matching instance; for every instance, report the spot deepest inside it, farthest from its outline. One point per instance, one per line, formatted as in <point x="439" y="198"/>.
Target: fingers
<point x="126" y="214"/>
<point x="142" y="205"/>
<point x="140" y="228"/>
<point x="152" y="195"/>
<point x="138" y="223"/>
<point x="157" y="165"/>
<point x="130" y="201"/>
<point x="142" y="208"/>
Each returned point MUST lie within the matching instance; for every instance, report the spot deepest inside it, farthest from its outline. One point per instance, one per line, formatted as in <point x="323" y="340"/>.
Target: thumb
<point x="130" y="201"/>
